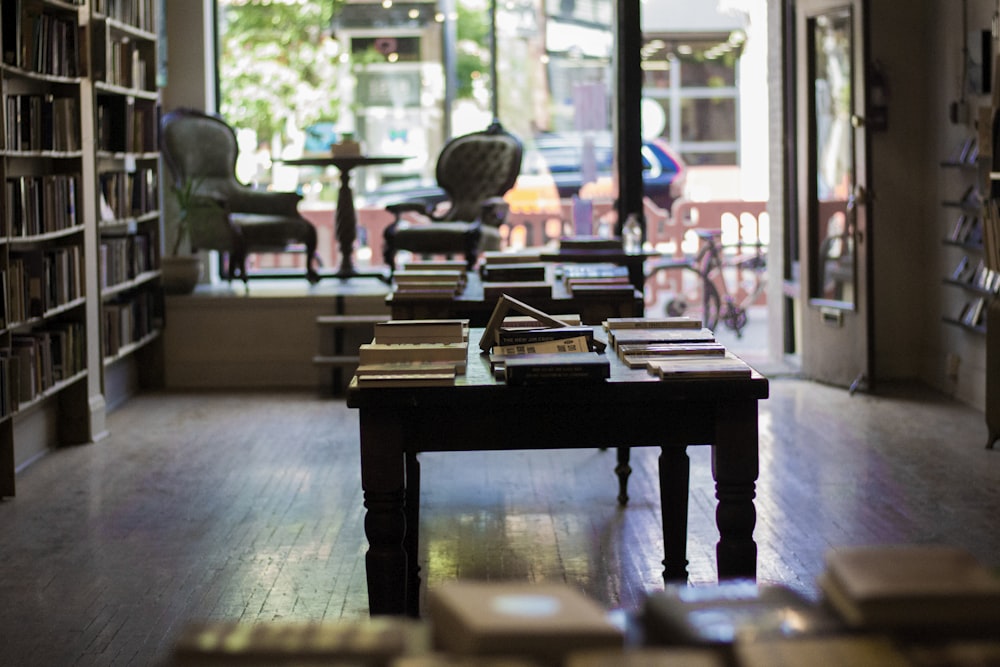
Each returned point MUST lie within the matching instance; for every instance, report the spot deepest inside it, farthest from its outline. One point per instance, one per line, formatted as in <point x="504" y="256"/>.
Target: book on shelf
<point x="561" y="345"/>
<point x="717" y="615"/>
<point x="422" y="331"/>
<point x="554" y="368"/>
<point x="911" y="587"/>
<point x="521" y="290"/>
<point x="683" y="368"/>
<point x="368" y="642"/>
<point x="536" y="620"/>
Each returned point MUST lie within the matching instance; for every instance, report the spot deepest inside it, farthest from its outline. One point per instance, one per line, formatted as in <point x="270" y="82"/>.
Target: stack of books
<point x="429" y="283"/>
<point x="534" y="621"/>
<point x="672" y="348"/>
<point x="600" y="279"/>
<point x="913" y="588"/>
<point x="414" y="353"/>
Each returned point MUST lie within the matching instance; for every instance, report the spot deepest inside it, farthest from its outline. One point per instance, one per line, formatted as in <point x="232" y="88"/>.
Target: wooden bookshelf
<point x="80" y="237"/>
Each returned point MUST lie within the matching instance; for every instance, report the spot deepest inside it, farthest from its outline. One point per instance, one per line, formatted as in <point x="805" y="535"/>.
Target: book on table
<point x="379" y="353"/>
<point x="527" y="271"/>
<point x="511" y="322"/>
<point x="375" y="641"/>
<point x="536" y="620"/>
<point x="718" y="615"/>
<point x="559" y="345"/>
<point x="521" y="290"/>
<point x="833" y="651"/>
<point x="492" y="257"/>
<point x="422" y="331"/>
<point x="635" y="336"/>
<point x="537" y="335"/>
<point x="678" y="322"/>
<point x="554" y="368"/>
<point x="911" y="587"/>
<point x="682" y="368"/>
<point x="660" y="656"/>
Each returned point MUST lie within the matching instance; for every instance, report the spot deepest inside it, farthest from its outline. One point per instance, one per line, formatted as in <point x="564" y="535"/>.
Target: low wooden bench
<point x="335" y="353"/>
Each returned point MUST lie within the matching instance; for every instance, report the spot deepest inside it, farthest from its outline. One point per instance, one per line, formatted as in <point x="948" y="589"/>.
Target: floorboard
<point x="248" y="506"/>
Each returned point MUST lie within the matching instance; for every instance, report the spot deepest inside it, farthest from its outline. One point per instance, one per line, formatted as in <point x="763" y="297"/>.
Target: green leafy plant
<point x="190" y="205"/>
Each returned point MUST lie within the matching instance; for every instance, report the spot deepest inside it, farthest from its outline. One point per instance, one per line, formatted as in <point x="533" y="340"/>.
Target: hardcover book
<point x="555" y="368"/>
<point x="717" y="615"/>
<point x="840" y="651"/>
<point x="533" y="271"/>
<point x="560" y="345"/>
<point x="908" y="587"/>
<point x="545" y="621"/>
<point x="538" y="335"/>
<point x="526" y="289"/>
<point x="422" y="331"/>
<point x="679" y="322"/>
<point x="619" y="337"/>
<point x="677" y="368"/>
<point x="367" y="642"/>
<point x="647" y="657"/>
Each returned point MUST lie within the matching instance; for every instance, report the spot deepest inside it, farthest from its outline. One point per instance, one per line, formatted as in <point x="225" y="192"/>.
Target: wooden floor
<point x="249" y="507"/>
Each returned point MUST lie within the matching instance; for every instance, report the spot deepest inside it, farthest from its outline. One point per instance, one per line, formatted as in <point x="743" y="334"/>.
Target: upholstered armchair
<point x="474" y="170"/>
<point x="201" y="149"/>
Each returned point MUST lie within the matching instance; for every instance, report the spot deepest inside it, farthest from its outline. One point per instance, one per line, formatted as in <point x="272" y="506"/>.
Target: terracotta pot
<point x="180" y="274"/>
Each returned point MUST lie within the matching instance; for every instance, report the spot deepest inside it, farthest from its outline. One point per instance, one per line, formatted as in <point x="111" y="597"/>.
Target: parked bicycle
<point x="709" y="297"/>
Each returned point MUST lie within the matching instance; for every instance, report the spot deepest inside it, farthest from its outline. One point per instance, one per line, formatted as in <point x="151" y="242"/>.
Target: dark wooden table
<point x="631" y="409"/>
<point x="346" y="221"/>
<point x="473" y="305"/>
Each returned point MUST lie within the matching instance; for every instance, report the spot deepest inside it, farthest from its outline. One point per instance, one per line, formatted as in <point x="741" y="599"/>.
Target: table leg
<point x="411" y="540"/>
<point x="675" y="480"/>
<point x="735" y="467"/>
<point x="384" y="485"/>
<point x="623" y="470"/>
<point x="346" y="225"/>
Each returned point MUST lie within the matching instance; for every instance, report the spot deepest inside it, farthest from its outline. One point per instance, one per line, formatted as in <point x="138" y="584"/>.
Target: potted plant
<point x="181" y="268"/>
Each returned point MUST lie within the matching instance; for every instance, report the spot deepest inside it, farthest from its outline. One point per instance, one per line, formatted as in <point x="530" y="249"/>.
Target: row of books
<point x="41" y="123"/>
<point x="39" y="360"/>
<point x="38" y="281"/>
<point x="128" y="321"/>
<point x="414" y="353"/>
<point x="122" y="258"/>
<point x="976" y="274"/>
<point x="123" y="127"/>
<point x="973" y="312"/>
<point x="137" y="13"/>
<point x="40" y="204"/>
<point x="39" y="41"/>
<point x="125" y="65"/>
<point x="128" y="193"/>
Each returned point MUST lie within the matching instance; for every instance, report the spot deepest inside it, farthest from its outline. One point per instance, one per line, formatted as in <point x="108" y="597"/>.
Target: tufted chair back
<point x="474" y="167"/>
<point x="203" y="148"/>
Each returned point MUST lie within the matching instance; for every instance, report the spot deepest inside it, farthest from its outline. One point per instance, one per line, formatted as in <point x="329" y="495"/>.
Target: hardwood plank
<point x="248" y="506"/>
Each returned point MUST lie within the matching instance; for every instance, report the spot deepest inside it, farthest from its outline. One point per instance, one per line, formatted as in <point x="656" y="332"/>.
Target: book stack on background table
<point x="414" y="353"/>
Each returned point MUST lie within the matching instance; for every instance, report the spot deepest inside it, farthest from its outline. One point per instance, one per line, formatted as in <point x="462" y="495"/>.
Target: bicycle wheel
<point x="703" y="304"/>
